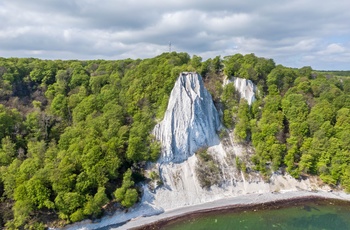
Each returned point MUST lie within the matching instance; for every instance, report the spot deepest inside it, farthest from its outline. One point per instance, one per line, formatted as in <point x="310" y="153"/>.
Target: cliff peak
<point x="190" y="122"/>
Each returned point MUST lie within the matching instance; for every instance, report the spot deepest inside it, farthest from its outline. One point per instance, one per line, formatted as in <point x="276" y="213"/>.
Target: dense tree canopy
<point x="299" y="121"/>
<point x="75" y="134"/>
<point x="72" y="130"/>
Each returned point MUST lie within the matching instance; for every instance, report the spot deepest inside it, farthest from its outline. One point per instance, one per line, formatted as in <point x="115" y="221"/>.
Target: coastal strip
<point x="236" y="204"/>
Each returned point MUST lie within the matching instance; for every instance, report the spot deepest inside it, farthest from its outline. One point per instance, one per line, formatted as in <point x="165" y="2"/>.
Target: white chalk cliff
<point x="190" y="122"/>
<point x="246" y="88"/>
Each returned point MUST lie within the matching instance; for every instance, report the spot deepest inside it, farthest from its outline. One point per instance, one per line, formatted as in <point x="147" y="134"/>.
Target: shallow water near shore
<point x="313" y="214"/>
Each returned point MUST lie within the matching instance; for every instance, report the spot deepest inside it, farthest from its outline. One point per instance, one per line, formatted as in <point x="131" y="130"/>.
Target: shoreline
<point x="238" y="203"/>
<point x="271" y="205"/>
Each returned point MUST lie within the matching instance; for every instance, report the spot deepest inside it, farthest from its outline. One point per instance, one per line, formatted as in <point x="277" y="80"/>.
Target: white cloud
<point x="332" y="49"/>
<point x="228" y="23"/>
<point x="294" y="33"/>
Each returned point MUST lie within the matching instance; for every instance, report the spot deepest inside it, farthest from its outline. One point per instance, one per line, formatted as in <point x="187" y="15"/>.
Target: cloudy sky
<point x="294" y="33"/>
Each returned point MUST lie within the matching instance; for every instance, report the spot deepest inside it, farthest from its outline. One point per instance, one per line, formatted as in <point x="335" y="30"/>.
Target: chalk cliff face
<point x="245" y="87"/>
<point x="190" y="122"/>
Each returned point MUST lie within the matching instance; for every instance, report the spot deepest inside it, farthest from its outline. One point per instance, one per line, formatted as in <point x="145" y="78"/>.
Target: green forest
<point x="75" y="135"/>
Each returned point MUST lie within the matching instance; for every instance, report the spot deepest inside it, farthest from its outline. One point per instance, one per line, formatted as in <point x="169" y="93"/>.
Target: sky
<point x="294" y="33"/>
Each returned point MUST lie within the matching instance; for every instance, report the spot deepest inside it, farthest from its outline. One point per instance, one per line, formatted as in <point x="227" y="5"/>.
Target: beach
<point x="154" y="205"/>
<point x="230" y="203"/>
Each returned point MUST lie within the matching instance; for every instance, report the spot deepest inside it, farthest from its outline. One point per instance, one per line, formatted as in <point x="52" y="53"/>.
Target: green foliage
<point x="242" y="128"/>
<point x="267" y="136"/>
<point x="346" y="179"/>
<point x="7" y="151"/>
<point x="154" y="175"/>
<point x="275" y="116"/>
<point x="77" y="215"/>
<point x="69" y="202"/>
<point x="21" y="210"/>
<point x="207" y="169"/>
<point x="130" y="197"/>
<point x="321" y="112"/>
<point x="126" y="195"/>
<point x="196" y="62"/>
<point x="212" y="76"/>
<point x="250" y="67"/>
<point x="228" y="118"/>
<point x="282" y="78"/>
<point x="229" y="97"/>
<point x="241" y="165"/>
<point x="9" y="120"/>
<point x="70" y="130"/>
<point x="298" y="127"/>
<point x="94" y="204"/>
<point x="230" y="101"/>
<point x="38" y="194"/>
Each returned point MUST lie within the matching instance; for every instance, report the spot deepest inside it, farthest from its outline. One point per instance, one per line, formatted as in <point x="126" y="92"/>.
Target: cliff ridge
<point x="191" y="120"/>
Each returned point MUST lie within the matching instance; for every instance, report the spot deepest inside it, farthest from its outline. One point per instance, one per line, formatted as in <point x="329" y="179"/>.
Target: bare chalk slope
<point x="190" y="122"/>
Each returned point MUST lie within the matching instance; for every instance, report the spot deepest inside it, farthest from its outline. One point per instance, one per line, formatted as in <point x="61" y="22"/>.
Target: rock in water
<point x="190" y="122"/>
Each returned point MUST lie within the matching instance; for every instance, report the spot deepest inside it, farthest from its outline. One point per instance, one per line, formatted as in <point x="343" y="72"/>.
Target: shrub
<point x="207" y="169"/>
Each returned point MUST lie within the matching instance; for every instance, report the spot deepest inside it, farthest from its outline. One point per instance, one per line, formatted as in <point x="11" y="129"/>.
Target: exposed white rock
<point x="245" y="87"/>
<point x="279" y="187"/>
<point x="190" y="122"/>
<point x="181" y="185"/>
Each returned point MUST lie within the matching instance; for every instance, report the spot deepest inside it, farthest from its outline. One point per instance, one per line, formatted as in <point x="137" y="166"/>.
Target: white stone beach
<point x="144" y="214"/>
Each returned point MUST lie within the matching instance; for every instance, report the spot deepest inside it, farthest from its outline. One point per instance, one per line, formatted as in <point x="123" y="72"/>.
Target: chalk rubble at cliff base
<point x="139" y="215"/>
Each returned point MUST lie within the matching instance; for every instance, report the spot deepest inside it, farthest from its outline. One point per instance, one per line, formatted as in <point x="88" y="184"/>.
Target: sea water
<point x="310" y="215"/>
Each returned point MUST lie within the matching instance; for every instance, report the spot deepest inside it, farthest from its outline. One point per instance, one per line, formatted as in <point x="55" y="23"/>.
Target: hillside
<point x="76" y="135"/>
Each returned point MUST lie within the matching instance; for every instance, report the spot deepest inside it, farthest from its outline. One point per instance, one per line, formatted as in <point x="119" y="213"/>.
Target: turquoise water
<point x="325" y="215"/>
